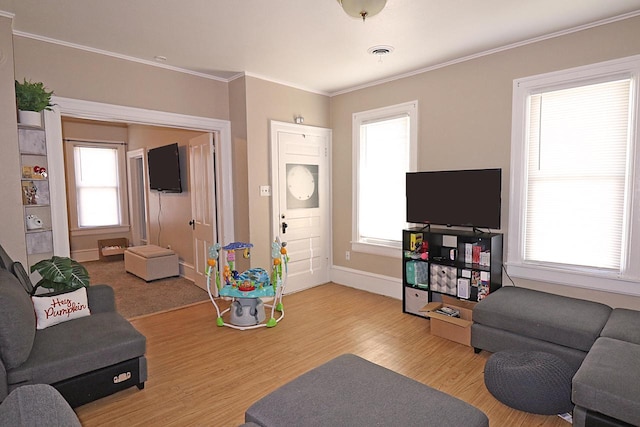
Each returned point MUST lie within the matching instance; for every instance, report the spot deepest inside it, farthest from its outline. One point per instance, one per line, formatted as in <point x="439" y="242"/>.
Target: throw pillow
<point x="51" y="310"/>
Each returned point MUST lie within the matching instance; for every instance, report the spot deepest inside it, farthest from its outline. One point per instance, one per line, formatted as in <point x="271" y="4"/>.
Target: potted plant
<point x="60" y="274"/>
<point x="31" y="99"/>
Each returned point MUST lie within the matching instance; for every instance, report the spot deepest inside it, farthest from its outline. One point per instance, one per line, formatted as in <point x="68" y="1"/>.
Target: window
<point x="384" y="142"/>
<point x="573" y="209"/>
<point x="96" y="173"/>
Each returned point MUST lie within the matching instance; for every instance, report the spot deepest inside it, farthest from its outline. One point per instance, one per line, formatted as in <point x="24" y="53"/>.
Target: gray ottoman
<point x="530" y="381"/>
<point x="351" y="391"/>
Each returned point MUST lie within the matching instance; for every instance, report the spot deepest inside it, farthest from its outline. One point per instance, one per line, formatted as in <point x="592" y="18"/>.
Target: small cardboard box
<point x="456" y="329"/>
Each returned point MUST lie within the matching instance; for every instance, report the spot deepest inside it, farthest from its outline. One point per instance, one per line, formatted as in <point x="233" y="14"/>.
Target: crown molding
<point x="6" y="14"/>
<point x="116" y="55"/>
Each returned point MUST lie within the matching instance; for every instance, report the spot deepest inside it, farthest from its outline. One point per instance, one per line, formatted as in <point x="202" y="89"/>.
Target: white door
<point x="300" y="178"/>
<point x="137" y="197"/>
<point x="203" y="202"/>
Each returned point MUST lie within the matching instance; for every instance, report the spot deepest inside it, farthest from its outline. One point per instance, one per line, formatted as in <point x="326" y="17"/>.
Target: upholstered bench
<point x="151" y="262"/>
<point x="351" y="391"/>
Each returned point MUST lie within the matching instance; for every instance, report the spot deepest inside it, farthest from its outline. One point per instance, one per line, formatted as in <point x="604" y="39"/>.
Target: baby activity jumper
<point x="247" y="289"/>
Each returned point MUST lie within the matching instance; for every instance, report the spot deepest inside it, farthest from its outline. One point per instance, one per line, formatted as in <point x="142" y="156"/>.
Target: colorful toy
<point x="247" y="289"/>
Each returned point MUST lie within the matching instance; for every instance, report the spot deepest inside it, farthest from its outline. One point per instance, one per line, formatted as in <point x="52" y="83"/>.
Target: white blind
<point x="576" y="205"/>
<point x="97" y="186"/>
<point x="384" y="161"/>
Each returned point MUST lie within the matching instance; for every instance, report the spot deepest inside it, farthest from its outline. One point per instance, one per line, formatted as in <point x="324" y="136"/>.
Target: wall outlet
<point x="265" y="190"/>
<point x="347" y="255"/>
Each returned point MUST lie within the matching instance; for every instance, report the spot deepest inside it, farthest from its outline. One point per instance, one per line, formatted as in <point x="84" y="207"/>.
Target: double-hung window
<point x="575" y="199"/>
<point x="96" y="177"/>
<point x="384" y="150"/>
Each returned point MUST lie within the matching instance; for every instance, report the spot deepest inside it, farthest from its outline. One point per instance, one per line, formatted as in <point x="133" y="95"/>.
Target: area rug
<point x="135" y="297"/>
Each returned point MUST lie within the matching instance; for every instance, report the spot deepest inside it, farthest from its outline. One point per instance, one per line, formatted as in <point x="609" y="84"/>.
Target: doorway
<point x="104" y="112"/>
<point x="138" y="208"/>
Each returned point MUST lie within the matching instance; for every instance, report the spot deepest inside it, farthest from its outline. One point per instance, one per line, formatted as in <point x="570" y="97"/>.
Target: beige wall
<point x="267" y="101"/>
<point x="238" y="115"/>
<point x="78" y="74"/>
<point x="11" y="211"/>
<point x="169" y="213"/>
<point x="465" y="122"/>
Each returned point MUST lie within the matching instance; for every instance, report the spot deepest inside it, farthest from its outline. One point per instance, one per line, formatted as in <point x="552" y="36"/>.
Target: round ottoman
<point x="530" y="381"/>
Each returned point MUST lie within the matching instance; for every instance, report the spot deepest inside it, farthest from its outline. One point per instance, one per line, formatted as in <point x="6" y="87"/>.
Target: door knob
<point x="192" y="223"/>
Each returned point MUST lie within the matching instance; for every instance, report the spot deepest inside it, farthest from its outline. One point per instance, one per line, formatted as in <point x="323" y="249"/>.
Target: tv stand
<point x="464" y="264"/>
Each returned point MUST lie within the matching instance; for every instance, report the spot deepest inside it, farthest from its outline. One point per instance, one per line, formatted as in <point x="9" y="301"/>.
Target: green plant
<point x="32" y="96"/>
<point x="60" y="274"/>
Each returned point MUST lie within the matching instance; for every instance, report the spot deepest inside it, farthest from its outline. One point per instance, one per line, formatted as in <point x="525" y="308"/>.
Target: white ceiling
<point x="310" y="44"/>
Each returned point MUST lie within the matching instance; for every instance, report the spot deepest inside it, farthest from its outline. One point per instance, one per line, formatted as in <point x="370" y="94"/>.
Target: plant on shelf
<point x="32" y="96"/>
<point x="31" y="99"/>
<point x="60" y="274"/>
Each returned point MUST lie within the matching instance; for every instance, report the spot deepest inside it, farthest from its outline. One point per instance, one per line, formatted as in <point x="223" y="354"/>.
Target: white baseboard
<point x="85" y="255"/>
<point x="370" y="282"/>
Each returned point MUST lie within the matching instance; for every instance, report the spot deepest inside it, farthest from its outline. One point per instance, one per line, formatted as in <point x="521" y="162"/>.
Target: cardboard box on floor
<point x="456" y="329"/>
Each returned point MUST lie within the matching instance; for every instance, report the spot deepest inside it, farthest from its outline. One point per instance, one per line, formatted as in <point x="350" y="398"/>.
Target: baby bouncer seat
<point x="246" y="290"/>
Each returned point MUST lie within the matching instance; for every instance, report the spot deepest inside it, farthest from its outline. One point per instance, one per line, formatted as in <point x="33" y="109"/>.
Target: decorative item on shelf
<point x="60" y="274"/>
<point x="29" y="193"/>
<point x="33" y="222"/>
<point x="34" y="172"/>
<point x="31" y="100"/>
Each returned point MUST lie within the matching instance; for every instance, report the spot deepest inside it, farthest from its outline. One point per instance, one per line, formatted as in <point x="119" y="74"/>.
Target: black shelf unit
<point x="465" y="264"/>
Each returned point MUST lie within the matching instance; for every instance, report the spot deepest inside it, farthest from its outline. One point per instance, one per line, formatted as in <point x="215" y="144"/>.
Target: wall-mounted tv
<point x="164" y="169"/>
<point x="468" y="198"/>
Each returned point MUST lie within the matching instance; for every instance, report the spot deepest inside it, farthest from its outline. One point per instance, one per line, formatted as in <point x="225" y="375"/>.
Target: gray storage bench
<point x="349" y="390"/>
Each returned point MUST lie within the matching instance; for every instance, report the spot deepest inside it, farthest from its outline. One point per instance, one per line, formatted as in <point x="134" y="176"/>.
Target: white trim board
<point x="365" y="281"/>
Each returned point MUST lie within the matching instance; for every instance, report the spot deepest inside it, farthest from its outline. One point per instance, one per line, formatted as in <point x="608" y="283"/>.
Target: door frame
<point x="277" y="126"/>
<point x="135" y="190"/>
<point x="90" y="110"/>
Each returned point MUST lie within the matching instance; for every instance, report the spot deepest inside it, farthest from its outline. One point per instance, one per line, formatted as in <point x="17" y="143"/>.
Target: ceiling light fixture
<point x="362" y="8"/>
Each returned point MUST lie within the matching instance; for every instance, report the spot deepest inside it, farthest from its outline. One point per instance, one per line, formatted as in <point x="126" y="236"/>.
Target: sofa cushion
<point x="37" y="405"/>
<point x="607" y="382"/>
<point x="61" y="307"/>
<point x="17" y="321"/>
<point x="624" y="325"/>
<point x="570" y="322"/>
<point x="79" y="346"/>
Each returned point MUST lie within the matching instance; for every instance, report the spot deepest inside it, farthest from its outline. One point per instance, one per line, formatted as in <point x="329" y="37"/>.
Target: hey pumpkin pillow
<point x="51" y="310"/>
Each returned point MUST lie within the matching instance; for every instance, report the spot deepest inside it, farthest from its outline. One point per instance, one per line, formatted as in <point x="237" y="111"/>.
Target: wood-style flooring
<point x="204" y="375"/>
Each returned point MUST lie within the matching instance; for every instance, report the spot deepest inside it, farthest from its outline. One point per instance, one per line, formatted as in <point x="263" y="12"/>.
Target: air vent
<point x="380" y="50"/>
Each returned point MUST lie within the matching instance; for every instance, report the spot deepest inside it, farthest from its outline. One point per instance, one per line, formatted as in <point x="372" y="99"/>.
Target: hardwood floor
<point x="204" y="375"/>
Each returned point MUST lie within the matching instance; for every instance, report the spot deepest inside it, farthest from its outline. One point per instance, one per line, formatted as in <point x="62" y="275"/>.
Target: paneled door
<point x="203" y="202"/>
<point x="301" y="214"/>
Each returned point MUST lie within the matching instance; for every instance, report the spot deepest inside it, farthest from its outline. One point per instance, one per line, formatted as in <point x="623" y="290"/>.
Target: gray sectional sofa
<point x="602" y="346"/>
<point x="84" y="358"/>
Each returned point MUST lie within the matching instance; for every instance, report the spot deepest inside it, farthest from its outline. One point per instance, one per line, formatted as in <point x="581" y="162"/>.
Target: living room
<point x="465" y="121"/>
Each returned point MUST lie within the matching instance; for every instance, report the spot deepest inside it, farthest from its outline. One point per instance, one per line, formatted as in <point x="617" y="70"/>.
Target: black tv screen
<point x="468" y="198"/>
<point x="164" y="169"/>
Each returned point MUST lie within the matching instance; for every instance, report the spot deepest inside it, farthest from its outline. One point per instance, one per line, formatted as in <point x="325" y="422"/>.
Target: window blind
<point x="97" y="186"/>
<point x="578" y="158"/>
<point x="384" y="161"/>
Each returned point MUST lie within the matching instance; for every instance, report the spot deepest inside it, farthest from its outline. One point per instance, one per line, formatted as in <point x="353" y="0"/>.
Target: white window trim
<point x="75" y="229"/>
<point x="386" y="248"/>
<point x="590" y="278"/>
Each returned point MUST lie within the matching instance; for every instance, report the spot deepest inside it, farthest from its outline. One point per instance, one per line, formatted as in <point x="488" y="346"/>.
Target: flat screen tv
<point x="164" y="169"/>
<point x="468" y="198"/>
